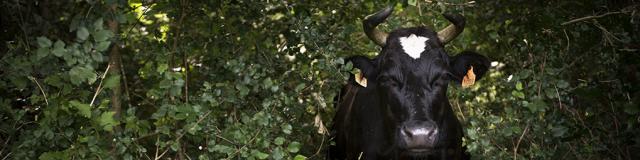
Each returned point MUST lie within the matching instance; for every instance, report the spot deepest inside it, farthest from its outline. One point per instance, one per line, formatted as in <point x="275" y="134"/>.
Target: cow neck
<point x="352" y="91"/>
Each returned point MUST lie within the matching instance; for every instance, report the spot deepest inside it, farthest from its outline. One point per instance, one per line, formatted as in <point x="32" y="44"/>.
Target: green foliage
<point x="256" y="80"/>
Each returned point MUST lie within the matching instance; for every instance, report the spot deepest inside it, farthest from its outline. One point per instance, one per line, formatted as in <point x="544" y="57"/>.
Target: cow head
<point x="411" y="76"/>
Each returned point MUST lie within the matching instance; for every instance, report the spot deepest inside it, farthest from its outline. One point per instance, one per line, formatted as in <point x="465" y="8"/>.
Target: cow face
<point x="412" y="82"/>
<point x="411" y="76"/>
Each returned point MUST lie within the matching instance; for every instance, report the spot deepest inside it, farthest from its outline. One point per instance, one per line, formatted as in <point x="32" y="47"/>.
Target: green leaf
<point x="339" y="61"/>
<point x="244" y="90"/>
<point x="58" y="49"/>
<point x="286" y="128"/>
<point x="559" y="131"/>
<point x="293" y="147"/>
<point x="53" y="155"/>
<point x="563" y="84"/>
<point x="631" y="109"/>
<point x="162" y="68"/>
<point x="97" y="56"/>
<point x="42" y="52"/>
<point x="519" y="86"/>
<point x="277" y="154"/>
<point x="300" y="86"/>
<point x="19" y="82"/>
<point x="43" y="42"/>
<point x="517" y="94"/>
<point x="79" y="74"/>
<point x="175" y="146"/>
<point x="98" y="24"/>
<point x="299" y="157"/>
<point x="103" y="46"/>
<point x="54" y="80"/>
<point x="102" y="35"/>
<point x="87" y="47"/>
<point x="223" y="149"/>
<point x="259" y="155"/>
<point x="412" y="2"/>
<point x="550" y="93"/>
<point x="175" y="91"/>
<point x="348" y="66"/>
<point x="84" y="109"/>
<point x="267" y="82"/>
<point x="165" y="83"/>
<point x="82" y="33"/>
<point x="203" y="157"/>
<point x="106" y="121"/>
<point x="279" y="141"/>
<point x="112" y="81"/>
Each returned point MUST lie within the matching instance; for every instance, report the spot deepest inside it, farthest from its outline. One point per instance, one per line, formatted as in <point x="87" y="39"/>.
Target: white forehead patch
<point x="413" y="45"/>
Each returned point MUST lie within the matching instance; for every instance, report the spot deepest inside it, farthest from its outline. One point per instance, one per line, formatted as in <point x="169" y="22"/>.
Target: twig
<point x="124" y="80"/>
<point x="460" y="109"/>
<point x="180" y="136"/>
<point x="558" y="94"/>
<point x="89" y="11"/>
<point x="593" y="17"/>
<point x="157" y="146"/>
<point x="99" y="89"/>
<point x="41" y="90"/>
<point x="468" y="4"/>
<point x="146" y="135"/>
<point x="607" y="35"/>
<point x="7" y="156"/>
<point x="515" y="150"/>
<point x="245" y="145"/>
<point x="568" y="40"/>
<point x="544" y="62"/>
<point x="22" y="23"/>
<point x="160" y="156"/>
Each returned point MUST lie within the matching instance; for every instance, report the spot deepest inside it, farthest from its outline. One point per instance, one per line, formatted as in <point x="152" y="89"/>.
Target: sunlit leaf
<point x="293" y="147"/>
<point x="299" y="157"/>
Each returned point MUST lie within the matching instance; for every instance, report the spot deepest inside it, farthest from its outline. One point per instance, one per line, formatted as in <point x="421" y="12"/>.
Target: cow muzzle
<point x="419" y="136"/>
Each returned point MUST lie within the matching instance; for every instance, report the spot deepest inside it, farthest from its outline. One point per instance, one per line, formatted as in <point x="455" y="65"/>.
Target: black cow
<point x="397" y="108"/>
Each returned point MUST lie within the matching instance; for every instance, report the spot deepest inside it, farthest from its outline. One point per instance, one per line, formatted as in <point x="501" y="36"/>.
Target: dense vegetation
<point x="181" y="79"/>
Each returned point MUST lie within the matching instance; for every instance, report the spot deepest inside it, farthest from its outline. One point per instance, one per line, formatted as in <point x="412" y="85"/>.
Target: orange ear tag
<point x="469" y="79"/>
<point x="360" y="79"/>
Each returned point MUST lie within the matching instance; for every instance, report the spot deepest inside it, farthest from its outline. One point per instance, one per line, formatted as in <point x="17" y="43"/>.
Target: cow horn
<point x="453" y="30"/>
<point x="370" y="22"/>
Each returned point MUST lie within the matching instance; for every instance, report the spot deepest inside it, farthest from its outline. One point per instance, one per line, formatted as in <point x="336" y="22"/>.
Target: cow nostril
<point x="407" y="131"/>
<point x="421" y="131"/>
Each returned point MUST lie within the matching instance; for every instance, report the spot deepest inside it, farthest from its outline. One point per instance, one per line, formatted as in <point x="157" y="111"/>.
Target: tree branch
<point x="41" y="90"/>
<point x="593" y="17"/>
<point x="515" y="149"/>
<point x="99" y="89"/>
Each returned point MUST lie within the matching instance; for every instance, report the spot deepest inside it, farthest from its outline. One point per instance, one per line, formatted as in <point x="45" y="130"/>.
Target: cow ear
<point x="364" y="69"/>
<point x="468" y="67"/>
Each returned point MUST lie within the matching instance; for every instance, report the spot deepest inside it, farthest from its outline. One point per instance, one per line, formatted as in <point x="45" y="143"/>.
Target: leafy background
<point x="180" y="79"/>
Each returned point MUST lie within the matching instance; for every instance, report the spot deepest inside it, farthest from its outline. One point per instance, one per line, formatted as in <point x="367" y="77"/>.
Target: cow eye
<point x="439" y="80"/>
<point x="388" y="81"/>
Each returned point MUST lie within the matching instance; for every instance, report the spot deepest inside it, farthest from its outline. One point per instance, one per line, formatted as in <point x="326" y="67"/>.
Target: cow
<point x="396" y="107"/>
